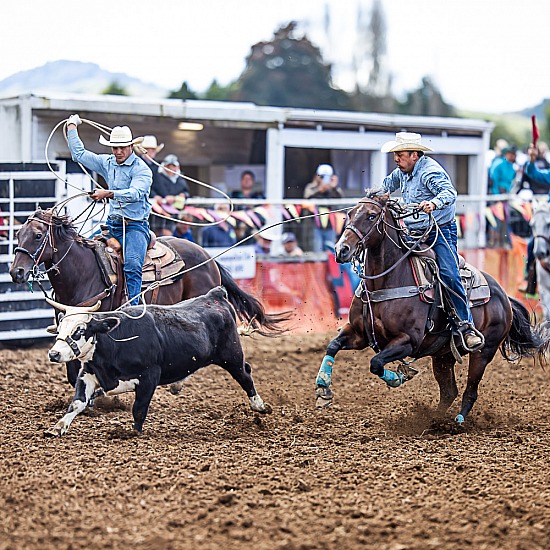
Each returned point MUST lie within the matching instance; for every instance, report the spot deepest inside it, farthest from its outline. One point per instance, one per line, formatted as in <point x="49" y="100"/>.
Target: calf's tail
<point x="250" y="310"/>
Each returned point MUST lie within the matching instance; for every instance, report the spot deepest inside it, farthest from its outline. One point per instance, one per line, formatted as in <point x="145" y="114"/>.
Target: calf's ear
<point x="104" y="325"/>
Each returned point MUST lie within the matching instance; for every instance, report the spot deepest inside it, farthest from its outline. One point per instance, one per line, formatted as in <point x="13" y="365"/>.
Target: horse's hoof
<point x="459" y="419"/>
<point x="323" y="397"/>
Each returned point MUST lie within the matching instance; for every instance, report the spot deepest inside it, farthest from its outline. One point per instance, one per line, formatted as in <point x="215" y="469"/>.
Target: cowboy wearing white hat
<point x="424" y="181"/>
<point x="128" y="186"/>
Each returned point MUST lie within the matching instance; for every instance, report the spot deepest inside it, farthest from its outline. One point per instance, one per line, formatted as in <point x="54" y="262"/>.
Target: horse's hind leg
<point x="346" y="339"/>
<point x="476" y="368"/>
<point x="444" y="372"/>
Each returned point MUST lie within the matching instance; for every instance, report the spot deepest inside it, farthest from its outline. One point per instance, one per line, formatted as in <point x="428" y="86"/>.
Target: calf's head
<point x="76" y="338"/>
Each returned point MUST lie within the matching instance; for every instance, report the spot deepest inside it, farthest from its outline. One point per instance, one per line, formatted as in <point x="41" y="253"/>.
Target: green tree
<point x="114" y="88"/>
<point x="288" y="71"/>
<point x="426" y="100"/>
<point x="219" y="93"/>
<point x="183" y="93"/>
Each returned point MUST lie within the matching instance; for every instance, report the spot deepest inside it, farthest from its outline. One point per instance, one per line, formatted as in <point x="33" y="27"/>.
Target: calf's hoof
<point x="55" y="431"/>
<point x="176" y="388"/>
<point x="323" y="397"/>
<point x="257" y="404"/>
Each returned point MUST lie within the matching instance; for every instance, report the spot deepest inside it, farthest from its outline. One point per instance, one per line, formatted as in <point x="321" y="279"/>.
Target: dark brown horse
<point x="395" y="326"/>
<point x="77" y="278"/>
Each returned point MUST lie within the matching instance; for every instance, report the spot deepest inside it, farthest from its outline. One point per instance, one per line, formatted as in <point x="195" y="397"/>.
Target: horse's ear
<point x="384" y="198"/>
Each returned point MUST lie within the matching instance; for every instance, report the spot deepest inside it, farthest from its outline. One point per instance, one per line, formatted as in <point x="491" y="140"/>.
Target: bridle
<point x="359" y="254"/>
<point x="36" y="257"/>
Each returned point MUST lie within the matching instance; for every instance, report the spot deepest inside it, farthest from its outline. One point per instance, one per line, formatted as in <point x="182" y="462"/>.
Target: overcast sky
<point x="485" y="55"/>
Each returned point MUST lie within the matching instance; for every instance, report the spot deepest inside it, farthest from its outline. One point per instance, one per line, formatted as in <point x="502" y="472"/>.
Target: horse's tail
<point x="523" y="339"/>
<point x="250" y="310"/>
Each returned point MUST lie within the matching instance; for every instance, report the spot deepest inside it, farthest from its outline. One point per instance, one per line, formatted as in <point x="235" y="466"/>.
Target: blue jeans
<point x="446" y="255"/>
<point x="134" y="239"/>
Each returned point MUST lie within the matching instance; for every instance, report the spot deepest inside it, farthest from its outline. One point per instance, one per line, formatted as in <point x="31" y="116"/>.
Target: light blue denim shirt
<point x="428" y="181"/>
<point x="130" y="181"/>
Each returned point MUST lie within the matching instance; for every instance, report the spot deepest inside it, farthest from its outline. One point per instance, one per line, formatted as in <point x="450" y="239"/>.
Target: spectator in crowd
<point x="247" y="190"/>
<point x="423" y="180"/>
<point x="168" y="186"/>
<point x="221" y="234"/>
<point x="542" y="177"/>
<point x="152" y="148"/>
<point x="129" y="183"/>
<point x="264" y="238"/>
<point x="541" y="163"/>
<point x="290" y="245"/>
<point x="503" y="172"/>
<point x="323" y="186"/>
<point x="183" y="229"/>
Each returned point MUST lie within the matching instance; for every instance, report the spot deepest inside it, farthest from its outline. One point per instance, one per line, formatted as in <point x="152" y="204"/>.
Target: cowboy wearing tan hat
<point x="422" y="180"/>
<point x="128" y="186"/>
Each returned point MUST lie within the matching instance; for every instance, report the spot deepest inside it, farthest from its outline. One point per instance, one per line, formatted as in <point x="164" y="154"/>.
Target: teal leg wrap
<point x="392" y="379"/>
<point x="324" y="377"/>
<point x="459" y="419"/>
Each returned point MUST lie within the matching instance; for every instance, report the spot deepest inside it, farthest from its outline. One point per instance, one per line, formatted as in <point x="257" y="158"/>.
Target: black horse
<point x="395" y="326"/>
<point x="77" y="278"/>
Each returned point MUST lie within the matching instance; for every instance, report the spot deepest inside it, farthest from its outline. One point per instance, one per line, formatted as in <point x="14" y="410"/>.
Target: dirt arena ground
<point x="373" y="471"/>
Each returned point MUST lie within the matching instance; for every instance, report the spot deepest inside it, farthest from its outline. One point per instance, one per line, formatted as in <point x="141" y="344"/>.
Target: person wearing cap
<point x="129" y="183"/>
<point x="423" y="181"/>
<point x="264" y="237"/>
<point x="168" y="186"/>
<point x="152" y="149"/>
<point x="290" y="245"/>
<point x="323" y="186"/>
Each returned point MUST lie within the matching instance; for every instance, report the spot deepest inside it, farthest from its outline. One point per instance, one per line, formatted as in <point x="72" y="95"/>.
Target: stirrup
<point x="467" y="327"/>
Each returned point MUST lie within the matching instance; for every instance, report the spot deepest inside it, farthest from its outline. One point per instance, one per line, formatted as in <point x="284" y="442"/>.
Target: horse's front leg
<point x="347" y="339"/>
<point x="396" y="349"/>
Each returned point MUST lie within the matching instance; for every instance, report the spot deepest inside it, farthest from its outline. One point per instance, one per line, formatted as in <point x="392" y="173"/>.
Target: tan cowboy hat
<point x="405" y="141"/>
<point x="150" y="142"/>
<point x="121" y="136"/>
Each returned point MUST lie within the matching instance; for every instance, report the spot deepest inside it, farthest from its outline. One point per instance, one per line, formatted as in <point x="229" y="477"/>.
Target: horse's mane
<point x="62" y="226"/>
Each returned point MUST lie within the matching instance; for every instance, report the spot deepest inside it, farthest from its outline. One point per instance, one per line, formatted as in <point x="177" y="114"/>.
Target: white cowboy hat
<point x="405" y="141"/>
<point x="121" y="136"/>
<point x="150" y="142"/>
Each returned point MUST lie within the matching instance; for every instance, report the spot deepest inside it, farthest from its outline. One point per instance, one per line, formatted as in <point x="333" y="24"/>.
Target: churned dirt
<point x="376" y="470"/>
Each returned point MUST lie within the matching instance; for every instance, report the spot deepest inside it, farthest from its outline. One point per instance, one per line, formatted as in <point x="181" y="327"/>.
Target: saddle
<point x="425" y="272"/>
<point x="162" y="265"/>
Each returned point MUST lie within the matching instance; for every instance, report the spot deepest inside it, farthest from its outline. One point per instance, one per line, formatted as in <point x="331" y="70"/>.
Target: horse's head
<point x="364" y="228"/>
<point x="36" y="240"/>
<point x="540" y="226"/>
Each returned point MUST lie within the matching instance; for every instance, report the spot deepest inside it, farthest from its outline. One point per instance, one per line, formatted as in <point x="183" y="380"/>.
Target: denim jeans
<point x="134" y="238"/>
<point x="446" y="255"/>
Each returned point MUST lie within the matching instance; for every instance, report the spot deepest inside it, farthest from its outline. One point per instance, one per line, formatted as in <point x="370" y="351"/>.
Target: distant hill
<point x="75" y="76"/>
<point x="539" y="110"/>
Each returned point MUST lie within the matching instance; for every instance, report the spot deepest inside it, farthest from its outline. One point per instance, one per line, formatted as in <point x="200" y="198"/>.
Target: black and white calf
<point x="133" y="350"/>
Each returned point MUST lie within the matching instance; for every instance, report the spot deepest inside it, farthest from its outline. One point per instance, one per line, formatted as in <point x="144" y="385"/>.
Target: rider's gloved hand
<point x="74" y="119"/>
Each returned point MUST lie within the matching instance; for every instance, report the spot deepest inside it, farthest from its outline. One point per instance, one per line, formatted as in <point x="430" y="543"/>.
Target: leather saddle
<point x="162" y="263"/>
<point x="475" y="284"/>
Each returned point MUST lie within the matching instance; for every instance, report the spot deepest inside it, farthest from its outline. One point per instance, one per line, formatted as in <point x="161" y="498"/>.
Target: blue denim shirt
<point x="130" y="181"/>
<point x="428" y="181"/>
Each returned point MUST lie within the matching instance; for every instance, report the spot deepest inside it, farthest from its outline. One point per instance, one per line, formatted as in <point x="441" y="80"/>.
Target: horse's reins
<point x="362" y="239"/>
